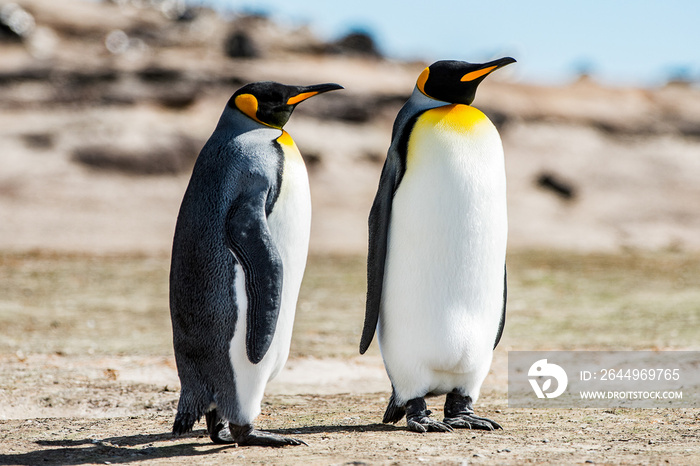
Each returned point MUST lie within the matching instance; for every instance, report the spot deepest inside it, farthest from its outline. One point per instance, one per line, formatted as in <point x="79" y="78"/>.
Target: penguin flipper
<point x="502" y="323"/>
<point x="379" y="219"/>
<point x="249" y="238"/>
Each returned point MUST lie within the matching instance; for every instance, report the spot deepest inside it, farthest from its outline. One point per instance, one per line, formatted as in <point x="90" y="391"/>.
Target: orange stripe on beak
<point x="472" y="75"/>
<point x="300" y="98"/>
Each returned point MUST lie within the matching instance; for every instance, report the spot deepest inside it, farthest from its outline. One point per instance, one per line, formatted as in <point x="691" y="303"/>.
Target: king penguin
<point x="239" y="253"/>
<point x="436" y="287"/>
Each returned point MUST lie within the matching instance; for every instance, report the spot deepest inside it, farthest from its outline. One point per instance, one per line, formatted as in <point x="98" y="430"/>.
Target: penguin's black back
<point x="203" y="300"/>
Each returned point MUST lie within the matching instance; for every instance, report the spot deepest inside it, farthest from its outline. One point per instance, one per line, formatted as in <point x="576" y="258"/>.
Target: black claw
<point x="426" y="424"/>
<point x="414" y="426"/>
<point x="466" y="421"/>
<point x="460" y="414"/>
<point x="495" y="425"/>
<point x="248" y="436"/>
<point x="418" y="418"/>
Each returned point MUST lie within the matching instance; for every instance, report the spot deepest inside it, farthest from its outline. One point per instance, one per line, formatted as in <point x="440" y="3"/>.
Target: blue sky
<point x="638" y="42"/>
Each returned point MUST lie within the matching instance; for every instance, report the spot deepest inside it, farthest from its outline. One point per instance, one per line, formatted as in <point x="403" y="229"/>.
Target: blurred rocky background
<point x="105" y="105"/>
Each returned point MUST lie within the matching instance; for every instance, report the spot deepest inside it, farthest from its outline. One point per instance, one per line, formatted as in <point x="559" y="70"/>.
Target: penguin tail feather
<point x="184" y="423"/>
<point x="394" y="412"/>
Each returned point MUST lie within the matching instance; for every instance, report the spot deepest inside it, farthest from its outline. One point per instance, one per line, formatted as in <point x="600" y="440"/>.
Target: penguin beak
<point x="487" y="68"/>
<point x="309" y="91"/>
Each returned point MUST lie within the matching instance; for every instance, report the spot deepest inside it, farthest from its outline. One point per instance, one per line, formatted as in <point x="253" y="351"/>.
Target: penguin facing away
<point x="436" y="287"/>
<point x="239" y="253"/>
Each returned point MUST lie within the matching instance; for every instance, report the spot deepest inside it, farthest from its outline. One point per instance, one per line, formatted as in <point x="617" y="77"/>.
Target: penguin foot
<point x="426" y="424"/>
<point x="248" y="436"/>
<point x="217" y="428"/>
<point x="418" y="418"/>
<point x="460" y="414"/>
<point x="470" y="421"/>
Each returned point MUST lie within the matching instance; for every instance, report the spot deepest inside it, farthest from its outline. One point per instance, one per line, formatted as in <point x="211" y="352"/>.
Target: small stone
<point x="478" y="455"/>
<point x="545" y="440"/>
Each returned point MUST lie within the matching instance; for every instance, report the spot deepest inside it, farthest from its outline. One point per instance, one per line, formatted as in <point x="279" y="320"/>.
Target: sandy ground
<point x="87" y="374"/>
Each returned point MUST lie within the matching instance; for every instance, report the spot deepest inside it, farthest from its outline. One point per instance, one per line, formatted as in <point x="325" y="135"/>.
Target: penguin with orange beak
<point x="239" y="254"/>
<point x="436" y="287"/>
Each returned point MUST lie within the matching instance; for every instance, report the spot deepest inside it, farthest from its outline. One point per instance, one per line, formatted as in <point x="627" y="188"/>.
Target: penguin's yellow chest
<point x="291" y="152"/>
<point x="295" y="180"/>
<point x="455" y="117"/>
<point x="458" y="137"/>
<point x="294" y="197"/>
<point x="443" y="279"/>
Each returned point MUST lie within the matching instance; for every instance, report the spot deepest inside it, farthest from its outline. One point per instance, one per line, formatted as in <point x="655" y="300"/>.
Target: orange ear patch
<point x="422" y="79"/>
<point x="248" y="104"/>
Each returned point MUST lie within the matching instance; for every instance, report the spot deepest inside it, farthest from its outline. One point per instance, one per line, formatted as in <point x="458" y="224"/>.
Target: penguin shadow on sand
<point x="122" y="449"/>
<point x="134" y="448"/>
<point x="141" y="447"/>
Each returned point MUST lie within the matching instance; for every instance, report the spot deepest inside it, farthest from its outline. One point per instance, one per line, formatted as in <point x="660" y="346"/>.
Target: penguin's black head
<point x="272" y="103"/>
<point x="456" y="81"/>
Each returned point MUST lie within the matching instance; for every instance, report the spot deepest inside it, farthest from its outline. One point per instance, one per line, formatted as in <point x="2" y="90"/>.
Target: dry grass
<point x="75" y="304"/>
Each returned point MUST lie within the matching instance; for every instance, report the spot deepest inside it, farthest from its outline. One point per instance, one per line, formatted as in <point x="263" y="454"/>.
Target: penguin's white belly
<point x="289" y="223"/>
<point x="443" y="284"/>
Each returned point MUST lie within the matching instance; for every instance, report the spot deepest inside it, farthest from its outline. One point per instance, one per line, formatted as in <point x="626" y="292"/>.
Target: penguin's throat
<point x="289" y="148"/>
<point x="286" y="139"/>
<point x="457" y="117"/>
